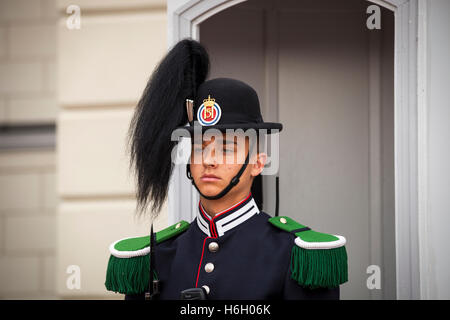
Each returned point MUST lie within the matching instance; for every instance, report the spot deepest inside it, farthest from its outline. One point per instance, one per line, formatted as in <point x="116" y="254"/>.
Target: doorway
<point x="321" y="72"/>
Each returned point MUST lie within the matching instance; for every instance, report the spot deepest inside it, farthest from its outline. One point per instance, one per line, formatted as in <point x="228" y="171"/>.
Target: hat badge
<point x="209" y="112"/>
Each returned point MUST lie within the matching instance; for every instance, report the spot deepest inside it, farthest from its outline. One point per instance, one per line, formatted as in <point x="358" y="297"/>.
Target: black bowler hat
<point x="176" y="83"/>
<point x="225" y="103"/>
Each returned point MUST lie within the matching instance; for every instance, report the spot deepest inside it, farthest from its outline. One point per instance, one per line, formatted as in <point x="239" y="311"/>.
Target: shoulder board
<point x="317" y="259"/>
<point x="140" y="246"/>
<point x="129" y="263"/>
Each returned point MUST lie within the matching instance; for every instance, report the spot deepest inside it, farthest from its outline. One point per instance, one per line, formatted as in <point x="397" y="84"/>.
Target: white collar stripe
<point x="235" y="218"/>
<point x="202" y="227"/>
<point x="204" y="224"/>
<point x="221" y="230"/>
<point x="238" y="212"/>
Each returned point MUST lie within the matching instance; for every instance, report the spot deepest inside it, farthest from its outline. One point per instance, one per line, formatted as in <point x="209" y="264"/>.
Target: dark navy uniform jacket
<point x="238" y="254"/>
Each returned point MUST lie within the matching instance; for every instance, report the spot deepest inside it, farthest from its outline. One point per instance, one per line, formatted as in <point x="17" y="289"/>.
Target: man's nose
<point x="209" y="156"/>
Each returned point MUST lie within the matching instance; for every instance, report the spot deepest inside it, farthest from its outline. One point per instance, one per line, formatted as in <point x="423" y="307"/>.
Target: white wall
<point x="438" y="103"/>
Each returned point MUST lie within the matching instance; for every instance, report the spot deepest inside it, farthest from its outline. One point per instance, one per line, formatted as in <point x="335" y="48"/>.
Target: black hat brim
<point x="268" y="126"/>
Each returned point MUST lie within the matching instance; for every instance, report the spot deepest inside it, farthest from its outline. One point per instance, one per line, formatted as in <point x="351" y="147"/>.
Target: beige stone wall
<point x="62" y="207"/>
<point x="102" y="69"/>
<point x="27" y="224"/>
<point x="28" y="198"/>
<point x="27" y="61"/>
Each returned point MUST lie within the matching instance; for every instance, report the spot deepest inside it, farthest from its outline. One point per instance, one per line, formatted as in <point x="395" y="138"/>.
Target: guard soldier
<point x="232" y="250"/>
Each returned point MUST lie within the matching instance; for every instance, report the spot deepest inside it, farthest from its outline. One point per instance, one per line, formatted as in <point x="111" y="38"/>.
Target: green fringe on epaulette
<point x="128" y="275"/>
<point x="319" y="268"/>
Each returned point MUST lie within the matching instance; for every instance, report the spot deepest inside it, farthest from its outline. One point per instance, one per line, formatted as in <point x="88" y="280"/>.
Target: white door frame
<point x="184" y="18"/>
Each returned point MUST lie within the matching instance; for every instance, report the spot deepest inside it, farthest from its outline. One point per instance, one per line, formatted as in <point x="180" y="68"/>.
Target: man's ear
<point x="258" y="163"/>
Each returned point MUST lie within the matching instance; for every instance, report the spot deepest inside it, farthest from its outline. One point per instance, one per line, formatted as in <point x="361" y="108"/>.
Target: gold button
<point x="209" y="267"/>
<point x="213" y="246"/>
<point x="206" y="289"/>
<point x="283" y="220"/>
<point x="178" y="225"/>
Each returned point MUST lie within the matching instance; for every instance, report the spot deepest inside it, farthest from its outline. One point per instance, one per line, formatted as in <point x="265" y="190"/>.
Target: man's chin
<point x="210" y="191"/>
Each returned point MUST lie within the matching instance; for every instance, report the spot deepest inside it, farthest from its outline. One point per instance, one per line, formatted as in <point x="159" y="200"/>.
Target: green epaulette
<point x="318" y="260"/>
<point x="129" y="263"/>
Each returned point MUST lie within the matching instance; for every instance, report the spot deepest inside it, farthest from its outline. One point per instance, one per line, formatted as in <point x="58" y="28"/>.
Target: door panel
<point x="323" y="90"/>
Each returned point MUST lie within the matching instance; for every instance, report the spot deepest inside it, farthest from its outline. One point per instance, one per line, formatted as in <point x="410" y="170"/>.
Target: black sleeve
<point x="293" y="291"/>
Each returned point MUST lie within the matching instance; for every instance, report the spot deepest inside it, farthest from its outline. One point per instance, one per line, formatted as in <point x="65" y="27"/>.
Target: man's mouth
<point x="209" y="178"/>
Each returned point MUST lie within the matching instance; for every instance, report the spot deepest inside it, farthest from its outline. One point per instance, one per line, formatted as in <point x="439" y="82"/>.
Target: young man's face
<point x="215" y="161"/>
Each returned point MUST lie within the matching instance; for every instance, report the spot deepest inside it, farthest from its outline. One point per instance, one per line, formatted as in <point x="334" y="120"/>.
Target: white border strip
<point x="321" y="245"/>
<point x="425" y="265"/>
<point x="127" y="254"/>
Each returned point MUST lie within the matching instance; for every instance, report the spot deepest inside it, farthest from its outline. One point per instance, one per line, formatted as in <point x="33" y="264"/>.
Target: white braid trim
<point x="127" y="254"/>
<point x="321" y="245"/>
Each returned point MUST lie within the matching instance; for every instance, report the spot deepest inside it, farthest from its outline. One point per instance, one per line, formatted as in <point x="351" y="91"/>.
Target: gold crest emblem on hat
<point x="209" y="107"/>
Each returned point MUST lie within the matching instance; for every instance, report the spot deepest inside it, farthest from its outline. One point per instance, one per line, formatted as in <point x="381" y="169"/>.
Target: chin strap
<point x="234" y="181"/>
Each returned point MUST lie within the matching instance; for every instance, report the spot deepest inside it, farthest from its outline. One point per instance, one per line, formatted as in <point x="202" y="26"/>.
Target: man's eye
<point x="229" y="150"/>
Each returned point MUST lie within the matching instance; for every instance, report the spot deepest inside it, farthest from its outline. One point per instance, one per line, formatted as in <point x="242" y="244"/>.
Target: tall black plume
<point x="159" y="111"/>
